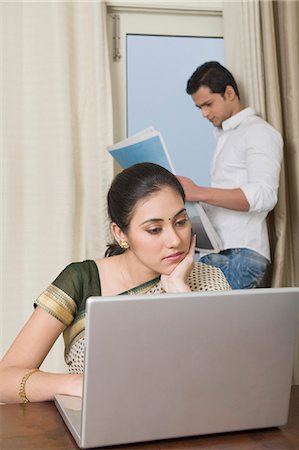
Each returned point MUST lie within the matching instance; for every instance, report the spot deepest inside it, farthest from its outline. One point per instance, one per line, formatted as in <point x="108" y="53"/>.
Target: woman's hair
<point x="132" y="185"/>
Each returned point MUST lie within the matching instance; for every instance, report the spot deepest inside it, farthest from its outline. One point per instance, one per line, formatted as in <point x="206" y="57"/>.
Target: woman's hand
<point x="177" y="280"/>
<point x="74" y="385"/>
<point x="28" y="351"/>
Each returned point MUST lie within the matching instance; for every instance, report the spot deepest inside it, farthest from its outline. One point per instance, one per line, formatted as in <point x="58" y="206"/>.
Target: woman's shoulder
<point x="66" y="296"/>
<point x="204" y="277"/>
<point x="88" y="265"/>
<point x="78" y="278"/>
<point x="77" y="271"/>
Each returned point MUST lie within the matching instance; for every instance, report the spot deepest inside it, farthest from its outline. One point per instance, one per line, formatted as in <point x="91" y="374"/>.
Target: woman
<point x="153" y="252"/>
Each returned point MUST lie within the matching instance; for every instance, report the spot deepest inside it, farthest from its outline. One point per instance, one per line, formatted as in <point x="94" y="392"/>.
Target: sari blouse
<point x="65" y="299"/>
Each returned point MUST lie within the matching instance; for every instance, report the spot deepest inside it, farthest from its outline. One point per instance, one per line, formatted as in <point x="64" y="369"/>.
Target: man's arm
<point x="225" y="198"/>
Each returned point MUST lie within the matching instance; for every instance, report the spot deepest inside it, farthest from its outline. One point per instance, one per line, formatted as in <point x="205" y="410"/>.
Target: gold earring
<point x="124" y="245"/>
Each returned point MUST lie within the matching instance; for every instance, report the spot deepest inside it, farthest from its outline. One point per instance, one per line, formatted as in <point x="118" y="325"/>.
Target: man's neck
<point x="238" y="107"/>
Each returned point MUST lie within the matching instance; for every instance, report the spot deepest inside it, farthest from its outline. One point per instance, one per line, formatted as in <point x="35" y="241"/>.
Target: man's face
<point x="214" y="107"/>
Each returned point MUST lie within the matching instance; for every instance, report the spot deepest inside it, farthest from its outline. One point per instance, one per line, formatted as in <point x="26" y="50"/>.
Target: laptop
<point x="173" y="365"/>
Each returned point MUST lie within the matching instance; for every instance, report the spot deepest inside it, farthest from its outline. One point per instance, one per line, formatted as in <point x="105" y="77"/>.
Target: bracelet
<point x="22" y="393"/>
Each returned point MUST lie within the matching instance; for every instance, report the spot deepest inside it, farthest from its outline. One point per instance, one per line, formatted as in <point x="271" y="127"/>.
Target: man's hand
<point x="192" y="191"/>
<point x="225" y="198"/>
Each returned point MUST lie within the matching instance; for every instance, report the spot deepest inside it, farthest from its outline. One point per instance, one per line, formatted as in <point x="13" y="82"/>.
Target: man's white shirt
<point x="248" y="156"/>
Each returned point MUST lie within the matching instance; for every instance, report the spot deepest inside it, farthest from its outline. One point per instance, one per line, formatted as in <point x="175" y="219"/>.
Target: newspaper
<point x="148" y="146"/>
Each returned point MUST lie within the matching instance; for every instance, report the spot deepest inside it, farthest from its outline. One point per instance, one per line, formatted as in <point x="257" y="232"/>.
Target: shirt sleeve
<point x="59" y="299"/>
<point x="264" y="155"/>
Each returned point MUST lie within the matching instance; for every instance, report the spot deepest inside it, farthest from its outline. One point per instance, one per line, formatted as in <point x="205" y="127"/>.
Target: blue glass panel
<point x="158" y="68"/>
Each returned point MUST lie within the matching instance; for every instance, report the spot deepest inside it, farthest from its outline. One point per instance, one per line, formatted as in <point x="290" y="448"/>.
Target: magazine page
<point x="146" y="146"/>
<point x="140" y="136"/>
<point x="207" y="240"/>
<point x="149" y="146"/>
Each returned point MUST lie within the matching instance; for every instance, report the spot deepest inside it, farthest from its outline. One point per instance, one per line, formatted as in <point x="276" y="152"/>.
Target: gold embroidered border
<point x="58" y="304"/>
<point x="145" y="287"/>
<point x="71" y="334"/>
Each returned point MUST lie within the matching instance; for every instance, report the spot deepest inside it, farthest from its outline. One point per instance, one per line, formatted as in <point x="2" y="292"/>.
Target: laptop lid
<point x="174" y="365"/>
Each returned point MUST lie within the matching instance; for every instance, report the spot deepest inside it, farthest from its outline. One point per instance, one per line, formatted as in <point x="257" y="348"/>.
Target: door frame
<point x="199" y="19"/>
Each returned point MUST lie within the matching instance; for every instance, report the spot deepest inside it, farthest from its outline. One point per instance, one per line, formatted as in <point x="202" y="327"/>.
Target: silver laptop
<point x="173" y="365"/>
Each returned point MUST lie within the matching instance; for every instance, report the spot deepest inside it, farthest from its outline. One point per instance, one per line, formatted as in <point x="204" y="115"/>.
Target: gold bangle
<point x="22" y="392"/>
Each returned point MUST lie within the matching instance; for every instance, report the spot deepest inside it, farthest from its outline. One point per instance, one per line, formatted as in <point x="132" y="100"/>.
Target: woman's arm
<point x="28" y="351"/>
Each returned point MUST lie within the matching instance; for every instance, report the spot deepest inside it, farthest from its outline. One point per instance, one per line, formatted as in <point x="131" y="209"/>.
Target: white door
<point x="156" y="53"/>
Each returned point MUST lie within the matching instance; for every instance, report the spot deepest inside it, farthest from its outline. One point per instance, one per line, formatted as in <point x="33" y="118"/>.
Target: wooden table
<point x="39" y="426"/>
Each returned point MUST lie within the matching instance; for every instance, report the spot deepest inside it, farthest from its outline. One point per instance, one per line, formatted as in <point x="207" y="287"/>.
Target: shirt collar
<point x="236" y="119"/>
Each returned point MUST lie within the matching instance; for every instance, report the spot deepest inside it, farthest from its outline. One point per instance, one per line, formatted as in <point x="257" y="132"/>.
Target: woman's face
<point x="159" y="233"/>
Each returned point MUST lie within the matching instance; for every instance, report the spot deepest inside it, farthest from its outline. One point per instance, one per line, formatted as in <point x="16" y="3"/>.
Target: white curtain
<point x="56" y="120"/>
<point x="259" y="41"/>
<point x="243" y="50"/>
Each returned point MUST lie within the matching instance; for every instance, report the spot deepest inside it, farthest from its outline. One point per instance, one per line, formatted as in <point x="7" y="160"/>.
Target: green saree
<point x="65" y="299"/>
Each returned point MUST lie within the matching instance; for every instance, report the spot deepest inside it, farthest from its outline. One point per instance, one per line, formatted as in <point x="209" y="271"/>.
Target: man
<point x="244" y="176"/>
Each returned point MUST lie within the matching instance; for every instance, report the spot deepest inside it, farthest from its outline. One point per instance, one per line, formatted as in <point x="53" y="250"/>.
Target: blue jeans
<point x="243" y="268"/>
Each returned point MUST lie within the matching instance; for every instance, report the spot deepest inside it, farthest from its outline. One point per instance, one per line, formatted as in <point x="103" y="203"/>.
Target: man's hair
<point x="214" y="76"/>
